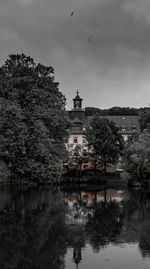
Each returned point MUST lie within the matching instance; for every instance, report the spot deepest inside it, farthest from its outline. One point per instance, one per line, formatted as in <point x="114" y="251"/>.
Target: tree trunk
<point x="105" y="166"/>
<point x="105" y="196"/>
<point x="80" y="169"/>
<point x="77" y="170"/>
<point x="141" y="173"/>
<point x="95" y="199"/>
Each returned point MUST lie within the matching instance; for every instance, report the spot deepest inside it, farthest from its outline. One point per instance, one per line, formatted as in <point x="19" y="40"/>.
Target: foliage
<point x="137" y="154"/>
<point x="91" y="111"/>
<point x="33" y="120"/>
<point x="104" y="140"/>
<point x="122" y="111"/>
<point x="77" y="153"/>
<point x="77" y="158"/>
<point x="32" y="229"/>
<point x="114" y="111"/>
<point x="95" y="162"/>
<point x="74" y="150"/>
<point x="144" y="119"/>
<point x="105" y="224"/>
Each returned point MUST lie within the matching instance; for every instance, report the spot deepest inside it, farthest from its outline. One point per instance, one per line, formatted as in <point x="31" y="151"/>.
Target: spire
<point x="77" y="266"/>
<point x="77" y="255"/>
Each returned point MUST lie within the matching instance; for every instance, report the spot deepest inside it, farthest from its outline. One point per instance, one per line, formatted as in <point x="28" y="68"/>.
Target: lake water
<point x="88" y="228"/>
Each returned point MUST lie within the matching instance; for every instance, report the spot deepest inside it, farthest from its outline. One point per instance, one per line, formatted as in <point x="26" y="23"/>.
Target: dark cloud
<point x="102" y="50"/>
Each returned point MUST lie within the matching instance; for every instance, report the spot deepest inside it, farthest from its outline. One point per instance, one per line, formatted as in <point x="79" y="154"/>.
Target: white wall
<point x="81" y="141"/>
<point x="79" y="138"/>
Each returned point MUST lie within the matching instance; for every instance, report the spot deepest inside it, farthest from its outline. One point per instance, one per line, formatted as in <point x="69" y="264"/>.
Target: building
<point x="127" y="125"/>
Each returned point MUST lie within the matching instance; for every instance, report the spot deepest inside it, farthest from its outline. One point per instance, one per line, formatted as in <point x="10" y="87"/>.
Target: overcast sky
<point x="102" y="50"/>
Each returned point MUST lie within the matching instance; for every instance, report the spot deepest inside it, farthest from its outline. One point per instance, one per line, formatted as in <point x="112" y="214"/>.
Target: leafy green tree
<point x="113" y="111"/>
<point x="122" y="111"/>
<point x="104" y="140"/>
<point x="137" y="154"/>
<point x="33" y="120"/>
<point x="95" y="162"/>
<point x="92" y="111"/>
<point x="144" y="118"/>
<point x="77" y="157"/>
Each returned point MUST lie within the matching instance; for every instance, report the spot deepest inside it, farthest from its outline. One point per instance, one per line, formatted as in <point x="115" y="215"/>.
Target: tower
<point x="77" y="102"/>
<point x="77" y="110"/>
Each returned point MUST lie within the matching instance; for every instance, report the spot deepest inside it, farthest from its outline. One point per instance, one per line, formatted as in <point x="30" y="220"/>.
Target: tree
<point x="122" y="111"/>
<point x="104" y="140"/>
<point x="137" y="154"/>
<point x="78" y="158"/>
<point x="116" y="110"/>
<point x="33" y="238"/>
<point x="33" y="120"/>
<point x="92" y="111"/>
<point x="144" y="118"/>
<point x="106" y="222"/>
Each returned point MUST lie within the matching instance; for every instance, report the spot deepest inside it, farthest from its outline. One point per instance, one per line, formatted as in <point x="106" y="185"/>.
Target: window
<point x="75" y="140"/>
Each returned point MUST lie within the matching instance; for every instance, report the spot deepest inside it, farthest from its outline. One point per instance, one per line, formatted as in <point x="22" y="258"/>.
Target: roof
<point x="120" y="121"/>
<point x="126" y="124"/>
<point x="126" y="121"/>
<point x="76" y="126"/>
<point x="76" y="131"/>
<point x="77" y="97"/>
<point x="76" y="120"/>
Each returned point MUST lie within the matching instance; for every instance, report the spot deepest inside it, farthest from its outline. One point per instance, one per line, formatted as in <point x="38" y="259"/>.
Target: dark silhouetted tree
<point x="33" y="121"/>
<point x="104" y="140"/>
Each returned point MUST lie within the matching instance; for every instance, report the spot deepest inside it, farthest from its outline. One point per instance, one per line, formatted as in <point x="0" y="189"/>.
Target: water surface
<point x="66" y="229"/>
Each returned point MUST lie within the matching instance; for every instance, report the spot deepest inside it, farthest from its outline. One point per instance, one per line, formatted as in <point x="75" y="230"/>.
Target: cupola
<point x="77" y="102"/>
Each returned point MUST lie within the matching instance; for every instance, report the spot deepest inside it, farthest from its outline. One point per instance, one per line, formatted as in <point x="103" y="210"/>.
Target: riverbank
<point x="90" y="179"/>
<point x="97" y="178"/>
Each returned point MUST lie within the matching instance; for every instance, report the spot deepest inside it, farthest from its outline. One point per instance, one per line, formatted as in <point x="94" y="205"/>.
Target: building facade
<point x="127" y="125"/>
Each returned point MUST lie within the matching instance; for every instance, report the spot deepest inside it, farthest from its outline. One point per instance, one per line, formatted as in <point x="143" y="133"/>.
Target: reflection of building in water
<point x="81" y="206"/>
<point x="90" y="197"/>
<point x="80" y="218"/>
<point x="77" y="214"/>
<point x="77" y="255"/>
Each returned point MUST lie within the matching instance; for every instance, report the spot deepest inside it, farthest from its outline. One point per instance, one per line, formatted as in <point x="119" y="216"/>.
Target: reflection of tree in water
<point x="75" y="238"/>
<point x="101" y="221"/>
<point x="144" y="240"/>
<point x="125" y="222"/>
<point x="136" y="212"/>
<point x="131" y="206"/>
<point x="104" y="225"/>
<point x="144" y="243"/>
<point x="37" y="227"/>
<point x="32" y="231"/>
